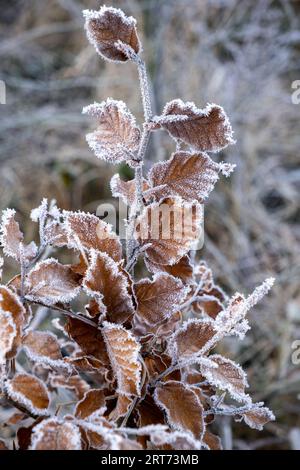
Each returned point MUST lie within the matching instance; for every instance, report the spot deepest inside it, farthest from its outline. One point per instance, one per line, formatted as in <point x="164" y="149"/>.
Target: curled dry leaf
<point x="105" y="280"/>
<point x="189" y="340"/>
<point x="117" y="135"/>
<point x="182" y="407"/>
<point x="11" y="235"/>
<point x="257" y="417"/>
<point x="43" y="348"/>
<point x="54" y="434"/>
<point x="106" y="27"/>
<point x="88" y="232"/>
<point x="158" y="299"/>
<point x="183" y="269"/>
<point x="191" y="176"/>
<point x="89" y="339"/>
<point x="12" y="317"/>
<point x="176" y="440"/>
<point x="207" y="130"/>
<point x="168" y="230"/>
<point x="28" y="392"/>
<point x="12" y="239"/>
<point x="123" y="350"/>
<point x="93" y="401"/>
<point x="51" y="282"/>
<point x="125" y="189"/>
<point x="227" y="376"/>
<point x="211" y="441"/>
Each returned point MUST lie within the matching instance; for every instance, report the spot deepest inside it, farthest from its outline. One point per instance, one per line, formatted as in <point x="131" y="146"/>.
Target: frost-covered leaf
<point x="183" y="269"/>
<point x="12" y="317"/>
<point x="12" y="239"/>
<point x="106" y="27"/>
<point x="8" y="333"/>
<point x="93" y="401"/>
<point x="29" y="392"/>
<point x="177" y="440"/>
<point x="123" y="350"/>
<point x="168" y="230"/>
<point x="89" y="339"/>
<point x="54" y="434"/>
<point x="207" y="130"/>
<point x="158" y="299"/>
<point x="74" y="383"/>
<point x="11" y="236"/>
<point x="121" y="408"/>
<point x="89" y="232"/>
<point x="182" y="407"/>
<point x="189" y="175"/>
<point x="117" y="135"/>
<point x="257" y="417"/>
<point x="105" y="280"/>
<point x="189" y="340"/>
<point x="51" y="282"/>
<point x="42" y="347"/>
<point x="211" y="441"/>
<point x="125" y="189"/>
<point x="228" y="376"/>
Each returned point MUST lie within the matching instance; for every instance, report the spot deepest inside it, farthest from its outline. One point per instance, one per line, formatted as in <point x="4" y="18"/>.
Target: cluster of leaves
<point x="135" y="367"/>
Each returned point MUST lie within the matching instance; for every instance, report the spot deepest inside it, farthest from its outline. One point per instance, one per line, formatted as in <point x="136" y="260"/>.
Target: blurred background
<point x="241" y="54"/>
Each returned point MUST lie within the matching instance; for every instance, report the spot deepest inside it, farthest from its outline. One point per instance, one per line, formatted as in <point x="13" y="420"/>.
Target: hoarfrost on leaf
<point x="207" y="130"/>
<point x="106" y="27"/>
<point x="117" y="136"/>
<point x="51" y="282"/>
<point x="30" y="392"/>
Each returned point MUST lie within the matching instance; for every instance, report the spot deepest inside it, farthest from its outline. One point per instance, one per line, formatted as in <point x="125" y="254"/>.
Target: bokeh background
<point x="241" y="54"/>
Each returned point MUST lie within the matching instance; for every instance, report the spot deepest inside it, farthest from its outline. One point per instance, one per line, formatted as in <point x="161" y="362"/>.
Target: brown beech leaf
<point x="257" y="417"/>
<point x="54" y="434"/>
<point x="211" y="441"/>
<point x="189" y="175"/>
<point x="182" y="407"/>
<point x="109" y="26"/>
<point x="189" y="340"/>
<point x="123" y="351"/>
<point x="117" y="135"/>
<point x="226" y="375"/>
<point x="12" y="317"/>
<point x="183" y="269"/>
<point x="29" y="392"/>
<point x="89" y="232"/>
<point x="207" y="130"/>
<point x="51" y="282"/>
<point x="12" y="239"/>
<point x="158" y="299"/>
<point x="121" y="408"/>
<point x="55" y="234"/>
<point x="42" y="347"/>
<point x="11" y="235"/>
<point x="125" y="189"/>
<point x="74" y="383"/>
<point x="176" y="440"/>
<point x="168" y="230"/>
<point x="8" y="333"/>
<point x="93" y="400"/>
<point x="89" y="339"/>
<point x="105" y="280"/>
